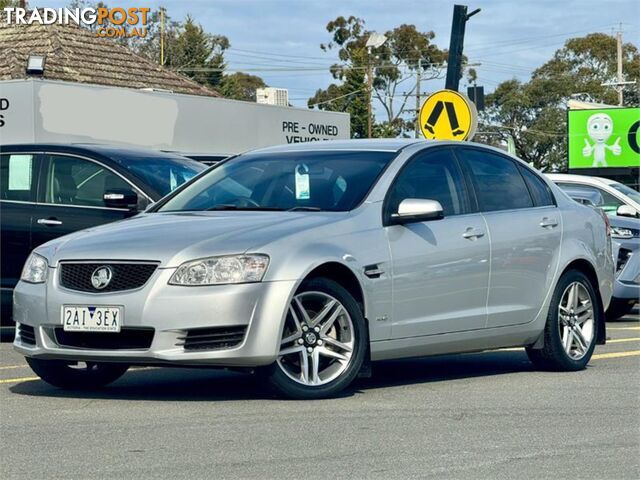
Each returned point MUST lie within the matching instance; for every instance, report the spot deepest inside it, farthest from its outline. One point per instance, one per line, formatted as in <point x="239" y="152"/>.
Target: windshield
<point x="324" y="181"/>
<point x="164" y="174"/>
<point x="628" y="191"/>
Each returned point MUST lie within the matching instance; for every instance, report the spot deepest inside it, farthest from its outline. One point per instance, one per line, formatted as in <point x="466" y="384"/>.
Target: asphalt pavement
<point x="478" y="416"/>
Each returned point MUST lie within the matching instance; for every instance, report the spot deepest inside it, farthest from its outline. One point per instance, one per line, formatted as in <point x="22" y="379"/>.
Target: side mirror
<point x="121" y="198"/>
<point x="626" y="211"/>
<point x="413" y="210"/>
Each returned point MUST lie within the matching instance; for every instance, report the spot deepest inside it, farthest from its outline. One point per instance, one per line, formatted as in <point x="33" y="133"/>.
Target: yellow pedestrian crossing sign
<point x="448" y="115"/>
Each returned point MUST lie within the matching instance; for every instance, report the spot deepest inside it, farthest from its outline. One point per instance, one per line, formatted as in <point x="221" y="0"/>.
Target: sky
<point x="508" y="38"/>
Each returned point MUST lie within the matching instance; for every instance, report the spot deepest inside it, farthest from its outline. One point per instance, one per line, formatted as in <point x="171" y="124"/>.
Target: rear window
<point x="497" y="181"/>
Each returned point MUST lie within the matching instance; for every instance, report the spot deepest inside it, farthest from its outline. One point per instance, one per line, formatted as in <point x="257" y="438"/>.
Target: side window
<point x="74" y="181"/>
<point x="433" y="176"/>
<point x="497" y="181"/>
<point x="17" y="173"/>
<point x="539" y="190"/>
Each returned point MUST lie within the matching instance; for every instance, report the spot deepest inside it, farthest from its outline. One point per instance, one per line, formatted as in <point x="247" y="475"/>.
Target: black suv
<point x="47" y="191"/>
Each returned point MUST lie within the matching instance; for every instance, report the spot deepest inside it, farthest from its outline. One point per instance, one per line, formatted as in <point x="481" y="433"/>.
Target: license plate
<point x="76" y="318"/>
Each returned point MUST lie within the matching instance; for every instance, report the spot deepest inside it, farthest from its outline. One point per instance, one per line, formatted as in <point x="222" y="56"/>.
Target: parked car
<point x="622" y="205"/>
<point x="47" y="191"/>
<point x="307" y="261"/>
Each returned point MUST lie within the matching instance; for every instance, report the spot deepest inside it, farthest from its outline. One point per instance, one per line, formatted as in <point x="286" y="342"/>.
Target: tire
<point x="618" y="308"/>
<point x="344" y="336"/>
<point x="554" y="355"/>
<point x="64" y="375"/>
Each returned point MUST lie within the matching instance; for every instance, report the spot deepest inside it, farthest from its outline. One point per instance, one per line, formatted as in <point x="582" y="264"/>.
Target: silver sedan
<point x="305" y="263"/>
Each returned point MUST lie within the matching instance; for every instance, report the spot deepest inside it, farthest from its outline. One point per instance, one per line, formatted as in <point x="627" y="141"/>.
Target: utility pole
<point x="456" y="44"/>
<point x="162" y="36"/>
<point x="619" y="54"/>
<point x="369" y="89"/>
<point x="418" y="79"/>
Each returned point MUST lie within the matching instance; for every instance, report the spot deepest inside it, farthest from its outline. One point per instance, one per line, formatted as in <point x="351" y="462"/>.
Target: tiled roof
<point x="75" y="54"/>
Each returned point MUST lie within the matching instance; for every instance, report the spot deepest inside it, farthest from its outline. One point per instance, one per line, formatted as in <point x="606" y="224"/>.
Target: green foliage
<point x="197" y="54"/>
<point x="241" y="86"/>
<point x="534" y="113"/>
<point x="404" y="49"/>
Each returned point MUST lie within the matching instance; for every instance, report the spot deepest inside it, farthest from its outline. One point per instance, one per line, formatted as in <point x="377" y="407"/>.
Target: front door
<point x="72" y="190"/>
<point x="18" y="182"/>
<point x="440" y="268"/>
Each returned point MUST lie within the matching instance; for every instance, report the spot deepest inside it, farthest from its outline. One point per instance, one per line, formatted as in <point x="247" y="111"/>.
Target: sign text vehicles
<point x="604" y="138"/>
<point x="297" y="132"/>
<point x="448" y="115"/>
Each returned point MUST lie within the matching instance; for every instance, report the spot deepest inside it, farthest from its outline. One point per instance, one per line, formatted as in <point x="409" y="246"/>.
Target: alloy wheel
<point x="576" y="318"/>
<point x="318" y="339"/>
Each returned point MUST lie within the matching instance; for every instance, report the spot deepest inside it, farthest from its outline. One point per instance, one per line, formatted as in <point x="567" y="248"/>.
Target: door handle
<point x="548" y="222"/>
<point x="472" y="233"/>
<point x="49" y="222"/>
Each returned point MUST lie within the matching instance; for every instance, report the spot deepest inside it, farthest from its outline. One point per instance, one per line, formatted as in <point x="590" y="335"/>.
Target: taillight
<point x="605" y="217"/>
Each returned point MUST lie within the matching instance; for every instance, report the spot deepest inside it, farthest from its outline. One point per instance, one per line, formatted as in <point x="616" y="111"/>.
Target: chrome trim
<point x="106" y="262"/>
<point x="47" y="221"/>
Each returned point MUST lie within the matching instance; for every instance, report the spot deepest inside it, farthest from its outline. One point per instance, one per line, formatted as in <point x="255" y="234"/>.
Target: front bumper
<point x="627" y="280"/>
<point x="171" y="311"/>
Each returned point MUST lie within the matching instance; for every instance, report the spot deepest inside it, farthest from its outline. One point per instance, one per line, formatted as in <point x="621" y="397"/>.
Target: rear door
<point x="71" y="196"/>
<point x="440" y="267"/>
<point x="525" y="228"/>
<point x="18" y="183"/>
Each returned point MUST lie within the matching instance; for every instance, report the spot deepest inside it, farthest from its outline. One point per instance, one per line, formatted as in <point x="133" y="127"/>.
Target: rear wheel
<point x="618" y="308"/>
<point x="323" y="342"/>
<point x="76" y="375"/>
<point x="572" y="322"/>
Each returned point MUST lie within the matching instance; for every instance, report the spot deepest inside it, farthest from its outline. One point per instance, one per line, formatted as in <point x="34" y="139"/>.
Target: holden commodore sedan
<point x="305" y="263"/>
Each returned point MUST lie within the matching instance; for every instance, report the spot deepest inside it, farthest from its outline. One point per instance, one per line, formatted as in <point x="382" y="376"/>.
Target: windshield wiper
<point x="228" y="206"/>
<point x="304" y="209"/>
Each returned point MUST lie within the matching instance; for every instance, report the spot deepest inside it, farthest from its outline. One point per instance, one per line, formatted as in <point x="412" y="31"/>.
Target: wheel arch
<point x="344" y="276"/>
<point x="586" y="267"/>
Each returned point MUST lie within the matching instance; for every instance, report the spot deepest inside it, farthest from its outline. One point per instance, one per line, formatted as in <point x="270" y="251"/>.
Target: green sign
<point x="602" y="138"/>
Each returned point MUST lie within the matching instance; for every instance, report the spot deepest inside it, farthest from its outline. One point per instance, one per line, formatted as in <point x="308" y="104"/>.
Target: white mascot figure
<point x="599" y="129"/>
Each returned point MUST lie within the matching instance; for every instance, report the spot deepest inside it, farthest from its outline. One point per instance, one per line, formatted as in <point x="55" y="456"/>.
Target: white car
<point x="614" y="194"/>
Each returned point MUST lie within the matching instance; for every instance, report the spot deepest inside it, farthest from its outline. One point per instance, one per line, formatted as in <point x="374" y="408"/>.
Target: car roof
<point x="588" y="179"/>
<point x="116" y="153"/>
<point x="368" y="144"/>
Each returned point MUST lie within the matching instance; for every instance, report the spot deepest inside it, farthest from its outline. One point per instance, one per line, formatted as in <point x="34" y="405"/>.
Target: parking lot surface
<point x="482" y="415"/>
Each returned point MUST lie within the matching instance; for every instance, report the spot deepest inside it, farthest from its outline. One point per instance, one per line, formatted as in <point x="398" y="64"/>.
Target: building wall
<point x="50" y="111"/>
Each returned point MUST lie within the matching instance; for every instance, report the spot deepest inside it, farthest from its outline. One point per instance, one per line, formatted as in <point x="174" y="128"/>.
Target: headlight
<point x="617" y="232"/>
<point x="221" y="270"/>
<point x="35" y="269"/>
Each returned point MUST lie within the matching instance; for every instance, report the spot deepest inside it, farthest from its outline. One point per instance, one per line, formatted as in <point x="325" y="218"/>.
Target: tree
<point x="534" y="113"/>
<point x="394" y="65"/>
<point x="241" y="86"/>
<point x="198" y="55"/>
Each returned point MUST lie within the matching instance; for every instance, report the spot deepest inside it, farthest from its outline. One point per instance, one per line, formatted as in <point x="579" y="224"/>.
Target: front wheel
<point x="76" y="375"/>
<point x="323" y="342"/>
<point x="571" y="328"/>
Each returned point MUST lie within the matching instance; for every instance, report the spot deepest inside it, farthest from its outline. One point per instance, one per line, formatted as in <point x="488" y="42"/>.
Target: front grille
<point x="125" y="276"/>
<point x="216" y="338"/>
<point x="27" y="334"/>
<point x="125" y="339"/>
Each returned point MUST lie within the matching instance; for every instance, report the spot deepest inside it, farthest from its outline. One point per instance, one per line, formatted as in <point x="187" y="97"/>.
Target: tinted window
<point x="331" y="181"/>
<point x="74" y="181"/>
<point x="539" y="190"/>
<point x="17" y="177"/>
<point x="163" y="175"/>
<point x="434" y="176"/>
<point x="497" y="181"/>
